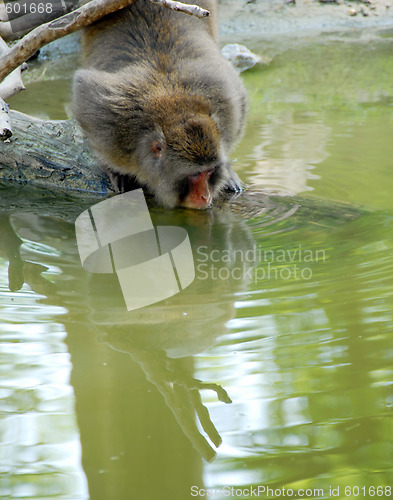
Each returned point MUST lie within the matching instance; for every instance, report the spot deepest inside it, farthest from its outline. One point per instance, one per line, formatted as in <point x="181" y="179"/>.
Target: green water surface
<point x="274" y="368"/>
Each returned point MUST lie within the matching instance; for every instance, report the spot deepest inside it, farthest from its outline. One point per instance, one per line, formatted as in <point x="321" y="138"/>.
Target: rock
<point x="241" y="57"/>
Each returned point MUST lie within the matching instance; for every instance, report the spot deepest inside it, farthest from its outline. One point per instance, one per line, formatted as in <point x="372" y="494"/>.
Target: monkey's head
<point x="168" y="140"/>
<point x="182" y="161"/>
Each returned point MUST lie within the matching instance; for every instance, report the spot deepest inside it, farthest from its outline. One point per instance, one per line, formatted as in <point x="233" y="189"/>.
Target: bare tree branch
<point x="6" y="32"/>
<point x="69" y="23"/>
<point x="48" y="32"/>
<point x="5" y="121"/>
<point x="192" y="10"/>
<point x="12" y="84"/>
<point x="18" y="18"/>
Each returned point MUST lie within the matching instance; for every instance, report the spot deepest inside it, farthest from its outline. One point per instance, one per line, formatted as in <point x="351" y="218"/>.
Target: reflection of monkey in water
<point x="160" y="104"/>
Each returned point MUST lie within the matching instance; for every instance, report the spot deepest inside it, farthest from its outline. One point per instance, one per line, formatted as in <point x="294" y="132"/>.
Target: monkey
<point x="160" y="104"/>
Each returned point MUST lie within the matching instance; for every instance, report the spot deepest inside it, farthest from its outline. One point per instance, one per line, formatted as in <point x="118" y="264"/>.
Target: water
<point x="281" y="350"/>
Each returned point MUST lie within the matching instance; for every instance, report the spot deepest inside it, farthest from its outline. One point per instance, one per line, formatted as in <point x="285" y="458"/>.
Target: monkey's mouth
<point x="198" y="190"/>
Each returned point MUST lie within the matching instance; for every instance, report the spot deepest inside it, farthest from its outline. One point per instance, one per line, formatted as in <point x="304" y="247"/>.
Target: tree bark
<point x="50" y="154"/>
<point x="55" y="155"/>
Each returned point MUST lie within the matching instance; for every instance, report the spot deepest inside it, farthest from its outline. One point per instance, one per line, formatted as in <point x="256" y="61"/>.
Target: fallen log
<point x="54" y="156"/>
<point x="50" y="154"/>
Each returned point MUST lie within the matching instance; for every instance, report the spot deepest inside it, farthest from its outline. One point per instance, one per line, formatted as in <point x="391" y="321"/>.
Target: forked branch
<point x="48" y="32"/>
<point x="71" y="22"/>
<point x="192" y="10"/>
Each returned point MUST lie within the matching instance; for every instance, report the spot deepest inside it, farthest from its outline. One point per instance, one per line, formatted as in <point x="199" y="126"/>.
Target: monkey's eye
<point x="206" y="173"/>
<point x="156" y="148"/>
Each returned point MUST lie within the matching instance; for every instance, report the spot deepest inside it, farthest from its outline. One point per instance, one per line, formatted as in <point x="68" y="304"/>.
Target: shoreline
<point x="272" y="19"/>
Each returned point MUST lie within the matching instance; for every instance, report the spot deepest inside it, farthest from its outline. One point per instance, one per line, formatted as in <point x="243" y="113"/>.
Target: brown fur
<point x="156" y="77"/>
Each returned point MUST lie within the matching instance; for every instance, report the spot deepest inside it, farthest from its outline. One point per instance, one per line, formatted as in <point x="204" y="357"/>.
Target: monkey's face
<point x="197" y="186"/>
<point x="177" y="181"/>
<point x="183" y="165"/>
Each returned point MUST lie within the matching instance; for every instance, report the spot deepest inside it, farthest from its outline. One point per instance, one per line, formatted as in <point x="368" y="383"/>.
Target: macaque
<point x="160" y="104"/>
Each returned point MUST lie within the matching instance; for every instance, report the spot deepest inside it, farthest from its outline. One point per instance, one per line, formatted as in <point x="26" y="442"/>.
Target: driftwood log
<point x="54" y="156"/>
<point x="50" y="154"/>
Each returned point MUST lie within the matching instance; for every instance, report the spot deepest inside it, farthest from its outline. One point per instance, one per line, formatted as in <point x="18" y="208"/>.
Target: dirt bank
<point x="241" y="19"/>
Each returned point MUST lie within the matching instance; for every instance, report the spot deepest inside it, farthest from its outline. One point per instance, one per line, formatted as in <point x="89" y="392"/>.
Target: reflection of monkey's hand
<point x="222" y="394"/>
<point x="179" y="390"/>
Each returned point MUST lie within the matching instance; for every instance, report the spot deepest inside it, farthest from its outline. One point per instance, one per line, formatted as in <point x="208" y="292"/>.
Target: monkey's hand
<point x="122" y="183"/>
<point x="234" y="184"/>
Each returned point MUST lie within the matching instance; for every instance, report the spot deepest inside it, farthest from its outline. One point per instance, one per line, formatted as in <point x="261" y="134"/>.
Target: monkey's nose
<point x="200" y="194"/>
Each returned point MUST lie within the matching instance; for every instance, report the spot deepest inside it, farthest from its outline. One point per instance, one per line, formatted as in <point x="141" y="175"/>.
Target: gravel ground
<point x="277" y="18"/>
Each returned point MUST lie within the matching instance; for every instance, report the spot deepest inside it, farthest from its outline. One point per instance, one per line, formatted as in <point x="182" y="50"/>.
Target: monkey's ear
<point x="157" y="142"/>
<point x="157" y="148"/>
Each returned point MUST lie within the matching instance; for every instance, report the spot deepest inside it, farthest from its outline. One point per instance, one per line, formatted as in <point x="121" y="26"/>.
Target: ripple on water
<point x="39" y="439"/>
<point x="308" y="365"/>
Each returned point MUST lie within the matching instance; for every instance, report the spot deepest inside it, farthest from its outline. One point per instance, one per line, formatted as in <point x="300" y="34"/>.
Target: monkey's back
<point x="146" y="33"/>
<point x="142" y="57"/>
